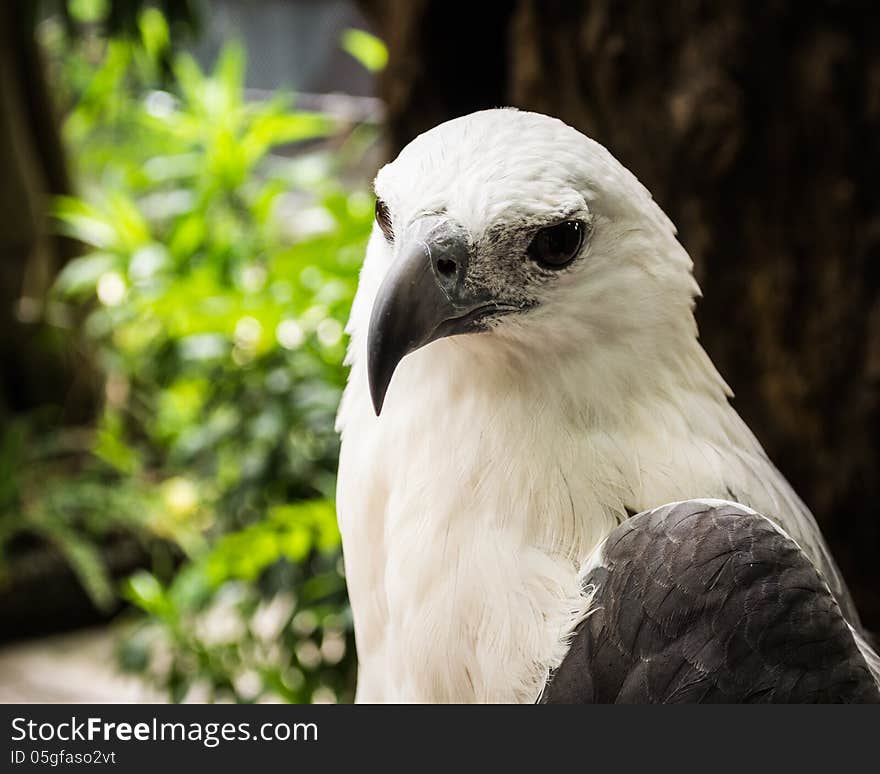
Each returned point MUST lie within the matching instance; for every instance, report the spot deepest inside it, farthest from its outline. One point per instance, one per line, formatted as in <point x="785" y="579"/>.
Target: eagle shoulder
<point x="708" y="601"/>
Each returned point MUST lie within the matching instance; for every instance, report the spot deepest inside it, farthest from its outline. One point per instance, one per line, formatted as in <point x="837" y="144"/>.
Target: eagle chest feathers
<point x="535" y="310"/>
<point x="467" y="512"/>
<point x="463" y="567"/>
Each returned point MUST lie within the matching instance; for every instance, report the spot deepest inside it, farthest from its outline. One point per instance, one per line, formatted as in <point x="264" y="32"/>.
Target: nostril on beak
<point x="447" y="267"/>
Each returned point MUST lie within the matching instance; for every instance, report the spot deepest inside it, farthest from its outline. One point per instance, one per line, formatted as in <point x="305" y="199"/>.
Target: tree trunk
<point x="35" y="368"/>
<point x="756" y="127"/>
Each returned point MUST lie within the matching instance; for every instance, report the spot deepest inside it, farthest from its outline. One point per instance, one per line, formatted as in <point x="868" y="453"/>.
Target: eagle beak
<point x="423" y="298"/>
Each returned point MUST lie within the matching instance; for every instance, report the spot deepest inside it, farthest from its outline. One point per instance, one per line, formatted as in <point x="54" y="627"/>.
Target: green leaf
<point x="88" y="11"/>
<point x="86" y="561"/>
<point x="81" y="275"/>
<point x="145" y="591"/>
<point x="83" y="221"/>
<point x="230" y="72"/>
<point x="154" y="32"/>
<point x="190" y="79"/>
<point x="369" y="50"/>
<point x="111" y="447"/>
<point x="272" y="129"/>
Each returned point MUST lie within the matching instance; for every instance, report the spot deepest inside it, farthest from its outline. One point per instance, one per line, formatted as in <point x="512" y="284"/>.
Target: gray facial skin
<point x="428" y="294"/>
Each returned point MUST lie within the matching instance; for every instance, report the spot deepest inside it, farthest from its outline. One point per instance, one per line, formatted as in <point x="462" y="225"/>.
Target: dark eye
<point x="555" y="246"/>
<point x="383" y="218"/>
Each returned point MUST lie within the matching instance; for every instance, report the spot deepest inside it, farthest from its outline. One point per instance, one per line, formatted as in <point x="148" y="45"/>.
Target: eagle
<point x="526" y="389"/>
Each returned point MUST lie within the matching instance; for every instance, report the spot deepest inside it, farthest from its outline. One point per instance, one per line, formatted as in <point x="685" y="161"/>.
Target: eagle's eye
<point x="383" y="218"/>
<point x="555" y="246"/>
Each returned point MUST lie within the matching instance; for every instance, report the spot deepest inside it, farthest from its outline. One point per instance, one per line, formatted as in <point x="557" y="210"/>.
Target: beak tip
<point x="378" y="381"/>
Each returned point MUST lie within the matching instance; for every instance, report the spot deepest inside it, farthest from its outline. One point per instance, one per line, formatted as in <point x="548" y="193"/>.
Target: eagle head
<point x="520" y="231"/>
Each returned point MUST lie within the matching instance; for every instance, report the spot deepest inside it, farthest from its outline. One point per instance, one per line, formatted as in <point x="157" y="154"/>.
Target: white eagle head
<point x="518" y="230"/>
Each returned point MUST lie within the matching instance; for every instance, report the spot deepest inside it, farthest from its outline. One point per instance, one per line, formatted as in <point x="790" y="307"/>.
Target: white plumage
<point x="501" y="459"/>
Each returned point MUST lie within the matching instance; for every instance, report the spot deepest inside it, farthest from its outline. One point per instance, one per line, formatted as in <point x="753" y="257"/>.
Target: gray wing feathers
<point x="707" y="601"/>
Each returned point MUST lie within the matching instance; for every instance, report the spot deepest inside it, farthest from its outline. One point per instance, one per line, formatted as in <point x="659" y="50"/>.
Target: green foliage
<point x="258" y="613"/>
<point x="213" y="291"/>
<point x="56" y="491"/>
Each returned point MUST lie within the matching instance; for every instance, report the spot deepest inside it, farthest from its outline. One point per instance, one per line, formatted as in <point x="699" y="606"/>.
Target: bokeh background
<point x="184" y="204"/>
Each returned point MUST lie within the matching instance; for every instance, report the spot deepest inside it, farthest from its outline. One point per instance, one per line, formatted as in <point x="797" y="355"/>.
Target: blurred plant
<point x="214" y="291"/>
<point x="369" y="50"/>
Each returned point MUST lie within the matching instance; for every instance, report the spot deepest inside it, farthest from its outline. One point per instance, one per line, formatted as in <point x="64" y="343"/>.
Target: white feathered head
<point x="517" y="228"/>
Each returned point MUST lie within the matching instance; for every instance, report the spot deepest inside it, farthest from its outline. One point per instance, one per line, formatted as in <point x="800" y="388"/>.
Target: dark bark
<point x="756" y="127"/>
<point x="444" y="62"/>
<point x="36" y="368"/>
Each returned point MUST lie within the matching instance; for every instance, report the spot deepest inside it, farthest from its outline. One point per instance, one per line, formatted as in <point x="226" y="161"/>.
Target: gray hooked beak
<point x="422" y="299"/>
